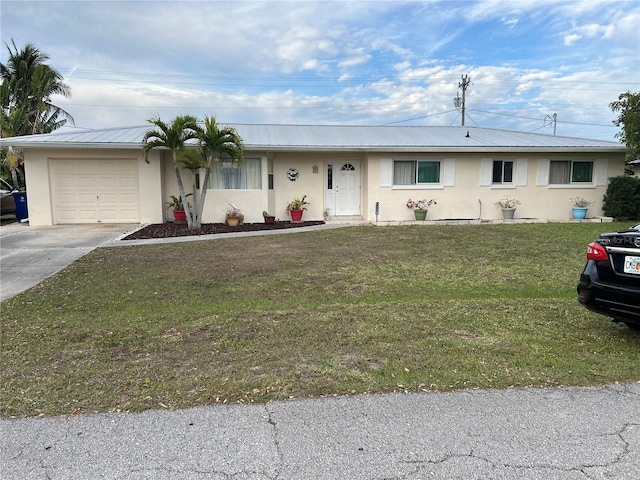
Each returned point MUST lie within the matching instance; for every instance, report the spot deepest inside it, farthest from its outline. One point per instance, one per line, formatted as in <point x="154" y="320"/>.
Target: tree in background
<point x="28" y="84"/>
<point x="27" y="87"/>
<point x="628" y="107"/>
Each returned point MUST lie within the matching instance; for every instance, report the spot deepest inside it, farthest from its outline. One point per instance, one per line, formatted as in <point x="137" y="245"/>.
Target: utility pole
<point x="553" y="119"/>
<point x="463" y="85"/>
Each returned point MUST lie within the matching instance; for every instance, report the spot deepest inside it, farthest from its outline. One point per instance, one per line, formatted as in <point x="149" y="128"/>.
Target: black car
<point x="610" y="281"/>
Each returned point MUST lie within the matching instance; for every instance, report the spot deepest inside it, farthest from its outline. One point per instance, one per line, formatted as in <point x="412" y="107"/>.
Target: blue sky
<point x="349" y="62"/>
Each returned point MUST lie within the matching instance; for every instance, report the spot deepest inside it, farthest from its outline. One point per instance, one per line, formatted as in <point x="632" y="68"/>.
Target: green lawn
<point x="343" y="311"/>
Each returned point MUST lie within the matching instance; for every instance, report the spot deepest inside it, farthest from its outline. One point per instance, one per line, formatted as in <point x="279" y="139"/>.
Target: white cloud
<point x="571" y="39"/>
<point x="336" y="62"/>
<point x="354" y="57"/>
<point x="509" y="22"/>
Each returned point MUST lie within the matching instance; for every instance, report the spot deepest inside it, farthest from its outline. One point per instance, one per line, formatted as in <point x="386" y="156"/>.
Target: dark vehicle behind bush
<point x="7" y="203"/>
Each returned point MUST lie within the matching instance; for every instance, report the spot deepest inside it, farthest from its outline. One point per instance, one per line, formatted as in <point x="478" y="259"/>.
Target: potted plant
<point x="296" y="207"/>
<point x="268" y="219"/>
<point x="420" y="207"/>
<point x="179" y="215"/>
<point x="508" y="206"/>
<point x="580" y="207"/>
<point x="234" y="217"/>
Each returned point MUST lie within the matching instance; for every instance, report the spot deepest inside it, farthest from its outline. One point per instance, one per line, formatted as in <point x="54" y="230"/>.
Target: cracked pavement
<point x="560" y="433"/>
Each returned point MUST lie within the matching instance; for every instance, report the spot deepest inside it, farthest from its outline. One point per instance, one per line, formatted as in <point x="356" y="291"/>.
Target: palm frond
<point x="28" y="84"/>
<point x="216" y="141"/>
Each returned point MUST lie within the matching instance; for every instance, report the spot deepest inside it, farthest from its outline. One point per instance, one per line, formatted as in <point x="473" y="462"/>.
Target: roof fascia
<point x="315" y="148"/>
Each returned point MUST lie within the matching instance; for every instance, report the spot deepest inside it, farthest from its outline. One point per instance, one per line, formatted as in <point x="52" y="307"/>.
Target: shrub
<point x="622" y="200"/>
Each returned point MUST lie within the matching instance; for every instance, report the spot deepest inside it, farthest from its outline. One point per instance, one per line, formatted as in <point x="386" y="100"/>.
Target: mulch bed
<point x="170" y="229"/>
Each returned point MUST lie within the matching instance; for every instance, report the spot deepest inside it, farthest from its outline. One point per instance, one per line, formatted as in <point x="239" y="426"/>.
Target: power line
<point x="417" y="118"/>
<point x="327" y="82"/>
<point x="310" y="107"/>
<point x="536" y="118"/>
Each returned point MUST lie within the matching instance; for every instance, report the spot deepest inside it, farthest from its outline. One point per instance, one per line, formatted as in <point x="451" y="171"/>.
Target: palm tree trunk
<point x="183" y="196"/>
<point x="203" y="196"/>
<point x="12" y="161"/>
<point x="14" y="177"/>
<point x="195" y="224"/>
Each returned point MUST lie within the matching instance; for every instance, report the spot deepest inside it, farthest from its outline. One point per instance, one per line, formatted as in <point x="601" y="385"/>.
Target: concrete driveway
<point x="29" y="254"/>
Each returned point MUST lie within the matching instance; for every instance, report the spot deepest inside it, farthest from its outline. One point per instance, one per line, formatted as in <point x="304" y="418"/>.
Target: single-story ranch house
<point x="363" y="173"/>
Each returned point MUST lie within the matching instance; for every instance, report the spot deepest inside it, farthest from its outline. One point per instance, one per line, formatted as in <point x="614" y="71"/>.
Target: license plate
<point x="632" y="265"/>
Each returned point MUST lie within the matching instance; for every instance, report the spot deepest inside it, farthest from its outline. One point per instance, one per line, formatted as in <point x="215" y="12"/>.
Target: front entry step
<point x="346" y="220"/>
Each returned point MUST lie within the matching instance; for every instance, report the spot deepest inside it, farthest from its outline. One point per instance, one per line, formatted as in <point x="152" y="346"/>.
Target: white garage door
<point x="95" y="191"/>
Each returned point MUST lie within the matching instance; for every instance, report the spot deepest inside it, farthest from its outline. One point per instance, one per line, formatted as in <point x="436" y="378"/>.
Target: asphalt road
<point x="559" y="433"/>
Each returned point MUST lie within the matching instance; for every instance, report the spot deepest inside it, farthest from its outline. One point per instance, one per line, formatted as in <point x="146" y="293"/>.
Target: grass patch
<point x="344" y="311"/>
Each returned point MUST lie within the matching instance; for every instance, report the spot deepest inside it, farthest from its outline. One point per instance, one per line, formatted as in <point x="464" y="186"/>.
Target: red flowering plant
<point x="423" y="204"/>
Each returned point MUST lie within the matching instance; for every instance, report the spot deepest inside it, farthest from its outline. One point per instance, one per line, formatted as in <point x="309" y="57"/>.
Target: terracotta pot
<point x="233" y="221"/>
<point x="296" y="216"/>
<point x="269" y="220"/>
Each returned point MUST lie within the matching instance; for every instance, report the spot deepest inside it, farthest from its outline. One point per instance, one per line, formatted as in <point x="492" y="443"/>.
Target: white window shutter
<point x="521" y="172"/>
<point x="449" y="172"/>
<point x="386" y="172"/>
<point x="543" y="172"/>
<point x="600" y="172"/>
<point x="486" y="172"/>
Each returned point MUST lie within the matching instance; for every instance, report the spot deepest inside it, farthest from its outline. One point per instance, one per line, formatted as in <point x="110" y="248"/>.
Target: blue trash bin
<point x="21" y="205"/>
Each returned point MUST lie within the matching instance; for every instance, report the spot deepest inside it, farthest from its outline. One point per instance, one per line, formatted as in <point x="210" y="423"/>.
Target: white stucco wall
<point x="468" y="199"/>
<point x="311" y="180"/>
<point x="149" y="177"/>
<point x="39" y="187"/>
<point x="36" y="171"/>
<point x="462" y="196"/>
<point x="251" y="202"/>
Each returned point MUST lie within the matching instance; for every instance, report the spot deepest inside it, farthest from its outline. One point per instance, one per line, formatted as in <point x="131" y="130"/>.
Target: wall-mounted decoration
<point x="292" y="174"/>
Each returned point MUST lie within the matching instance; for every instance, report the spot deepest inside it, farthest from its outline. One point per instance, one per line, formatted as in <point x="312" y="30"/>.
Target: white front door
<point x="343" y="187"/>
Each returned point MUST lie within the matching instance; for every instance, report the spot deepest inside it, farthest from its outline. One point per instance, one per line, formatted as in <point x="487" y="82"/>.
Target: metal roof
<point x="337" y="138"/>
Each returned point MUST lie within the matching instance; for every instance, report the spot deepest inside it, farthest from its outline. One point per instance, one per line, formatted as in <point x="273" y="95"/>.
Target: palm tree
<point x="13" y="162"/>
<point x="25" y="100"/>
<point x="193" y="160"/>
<point x="48" y="117"/>
<point x="173" y="137"/>
<point x="215" y="143"/>
<point x="27" y="86"/>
